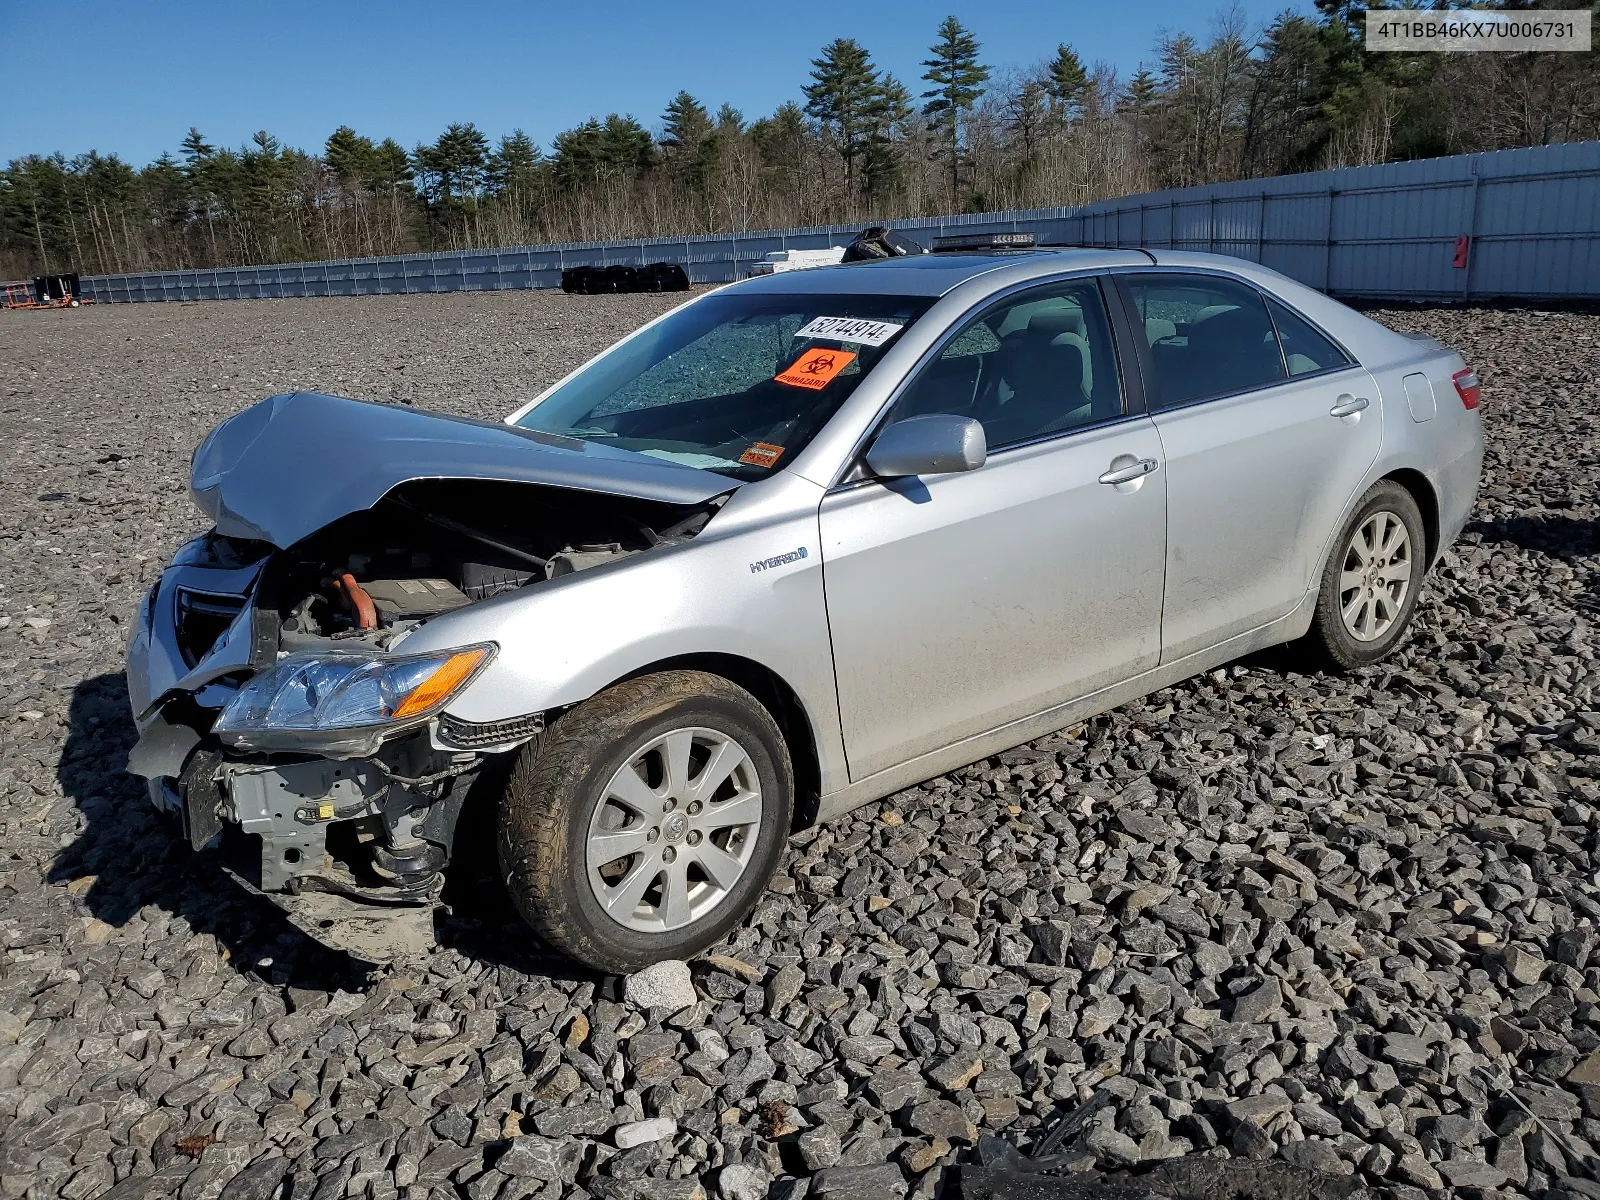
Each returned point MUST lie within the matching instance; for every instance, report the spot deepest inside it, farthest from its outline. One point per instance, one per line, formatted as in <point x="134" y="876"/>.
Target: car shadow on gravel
<point x="478" y="918"/>
<point x="1547" y="533"/>
<point x="128" y="856"/>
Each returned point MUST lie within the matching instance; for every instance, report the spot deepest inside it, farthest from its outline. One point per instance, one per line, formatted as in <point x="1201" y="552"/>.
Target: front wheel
<point x="646" y="822"/>
<point x="1371" y="579"/>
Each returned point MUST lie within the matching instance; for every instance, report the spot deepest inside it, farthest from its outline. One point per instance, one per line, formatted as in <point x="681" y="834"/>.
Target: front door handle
<point x="1127" y="474"/>
<point x="1349" y="406"/>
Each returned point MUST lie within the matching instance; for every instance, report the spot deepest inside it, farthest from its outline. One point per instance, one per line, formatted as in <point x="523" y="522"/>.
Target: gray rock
<point x="64" y="1125"/>
<point x="942" y="1119"/>
<point x="865" y="1048"/>
<point x="1260" y="1109"/>
<point x="1261" y="1004"/>
<point x="445" y="1161"/>
<point x="956" y="1072"/>
<point x="1413" y="1168"/>
<point x="1210" y="959"/>
<point x="1111" y="1148"/>
<point x="1314" y="1154"/>
<point x="1251" y="1141"/>
<point x="258" y="1181"/>
<point x="784" y="988"/>
<point x="591" y="1119"/>
<point x="893" y="1090"/>
<point x="665" y="984"/>
<point x="1467" y="1172"/>
<point x="1406" y="1049"/>
<point x="532" y="1156"/>
<point x="864" y="1179"/>
<point x="820" y="1148"/>
<point x="741" y="1181"/>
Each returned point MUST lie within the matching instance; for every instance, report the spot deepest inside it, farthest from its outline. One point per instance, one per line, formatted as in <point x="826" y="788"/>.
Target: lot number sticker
<point x="761" y="454"/>
<point x="850" y="329"/>
<point x="814" y="368"/>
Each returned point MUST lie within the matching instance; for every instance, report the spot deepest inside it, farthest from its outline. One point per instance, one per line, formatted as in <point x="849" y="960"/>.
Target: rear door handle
<point x="1349" y="407"/>
<point x="1128" y="474"/>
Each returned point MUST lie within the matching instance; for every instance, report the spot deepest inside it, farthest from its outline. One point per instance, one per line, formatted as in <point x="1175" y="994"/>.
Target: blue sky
<point x="131" y="78"/>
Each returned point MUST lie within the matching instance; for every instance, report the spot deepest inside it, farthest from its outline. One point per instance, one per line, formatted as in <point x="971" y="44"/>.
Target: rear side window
<point x="1305" y="348"/>
<point x="1207" y="336"/>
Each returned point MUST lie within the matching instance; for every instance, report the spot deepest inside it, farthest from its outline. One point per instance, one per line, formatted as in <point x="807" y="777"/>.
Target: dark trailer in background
<point x="56" y="291"/>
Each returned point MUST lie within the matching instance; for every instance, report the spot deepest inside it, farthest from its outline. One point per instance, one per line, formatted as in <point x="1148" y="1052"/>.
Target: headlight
<point x="344" y="703"/>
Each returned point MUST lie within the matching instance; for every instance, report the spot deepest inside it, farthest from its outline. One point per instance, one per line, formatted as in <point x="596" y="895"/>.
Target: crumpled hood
<point x="284" y="468"/>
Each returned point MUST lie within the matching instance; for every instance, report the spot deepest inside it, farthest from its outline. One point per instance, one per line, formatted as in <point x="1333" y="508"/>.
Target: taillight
<point x="1466" y="387"/>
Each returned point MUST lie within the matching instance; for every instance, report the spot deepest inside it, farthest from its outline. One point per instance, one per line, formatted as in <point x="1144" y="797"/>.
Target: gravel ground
<point x="1345" y="921"/>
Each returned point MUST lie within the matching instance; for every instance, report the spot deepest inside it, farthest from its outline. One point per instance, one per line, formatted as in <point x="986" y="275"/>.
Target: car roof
<point x="932" y="274"/>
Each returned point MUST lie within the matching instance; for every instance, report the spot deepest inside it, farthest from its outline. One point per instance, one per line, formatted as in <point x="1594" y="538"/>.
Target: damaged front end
<point x="282" y="719"/>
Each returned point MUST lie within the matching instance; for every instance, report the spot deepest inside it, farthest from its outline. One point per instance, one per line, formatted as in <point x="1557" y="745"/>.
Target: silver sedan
<point x="798" y="544"/>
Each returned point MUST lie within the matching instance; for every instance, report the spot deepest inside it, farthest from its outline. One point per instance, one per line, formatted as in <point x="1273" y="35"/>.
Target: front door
<point x="959" y="603"/>
<point x="1268" y="429"/>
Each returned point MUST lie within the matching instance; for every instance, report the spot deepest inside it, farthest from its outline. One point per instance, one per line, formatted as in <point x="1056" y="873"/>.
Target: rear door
<point x="1268" y="429"/>
<point x="958" y="603"/>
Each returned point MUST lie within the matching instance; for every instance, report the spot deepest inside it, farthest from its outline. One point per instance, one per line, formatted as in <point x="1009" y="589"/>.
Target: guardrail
<point x="1530" y="219"/>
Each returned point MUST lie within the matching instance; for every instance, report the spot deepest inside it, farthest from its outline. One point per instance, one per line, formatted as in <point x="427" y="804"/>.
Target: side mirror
<point x="936" y="444"/>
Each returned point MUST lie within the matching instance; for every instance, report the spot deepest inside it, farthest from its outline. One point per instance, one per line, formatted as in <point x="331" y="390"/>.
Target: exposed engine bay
<point x="373" y="823"/>
<point x="430" y="547"/>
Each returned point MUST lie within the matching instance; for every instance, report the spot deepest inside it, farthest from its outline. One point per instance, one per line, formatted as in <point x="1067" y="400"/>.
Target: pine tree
<point x="617" y="148"/>
<point x="350" y="156"/>
<point x="1067" y="82"/>
<point x="686" y="141"/>
<point x="626" y="146"/>
<point x="684" y="126"/>
<point x="452" y="168"/>
<point x="391" y="166"/>
<point x="891" y="110"/>
<point x="1027" y="109"/>
<point x="1143" y="92"/>
<point x="195" y="147"/>
<point x="840" y="98"/>
<point x="957" y="78"/>
<point x="513" y="169"/>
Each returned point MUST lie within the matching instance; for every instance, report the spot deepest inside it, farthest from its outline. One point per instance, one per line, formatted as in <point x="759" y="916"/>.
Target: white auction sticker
<point x="851" y="329"/>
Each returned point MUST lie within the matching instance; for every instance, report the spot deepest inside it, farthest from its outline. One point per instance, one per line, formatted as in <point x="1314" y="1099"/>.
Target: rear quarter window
<point x="1306" y="349"/>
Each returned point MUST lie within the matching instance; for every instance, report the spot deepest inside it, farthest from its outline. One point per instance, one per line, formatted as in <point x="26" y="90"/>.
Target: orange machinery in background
<point x="17" y="295"/>
<point x="46" y="291"/>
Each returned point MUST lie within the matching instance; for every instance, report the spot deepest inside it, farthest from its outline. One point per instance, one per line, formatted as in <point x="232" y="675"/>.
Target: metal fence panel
<point x="1532" y="217"/>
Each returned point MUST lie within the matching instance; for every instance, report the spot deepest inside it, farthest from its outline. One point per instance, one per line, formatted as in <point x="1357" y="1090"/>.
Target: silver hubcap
<point x="675" y="830"/>
<point x="1375" y="577"/>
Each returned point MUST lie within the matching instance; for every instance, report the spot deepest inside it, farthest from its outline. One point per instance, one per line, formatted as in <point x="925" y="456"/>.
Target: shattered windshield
<point x="734" y="383"/>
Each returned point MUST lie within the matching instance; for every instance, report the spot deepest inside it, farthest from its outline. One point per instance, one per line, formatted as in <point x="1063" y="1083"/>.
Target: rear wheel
<point x="1371" y="579"/>
<point x="647" y="821"/>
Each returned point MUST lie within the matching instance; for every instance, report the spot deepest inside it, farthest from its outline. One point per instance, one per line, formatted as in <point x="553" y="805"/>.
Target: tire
<point x="1379" y="611"/>
<point x="565" y="791"/>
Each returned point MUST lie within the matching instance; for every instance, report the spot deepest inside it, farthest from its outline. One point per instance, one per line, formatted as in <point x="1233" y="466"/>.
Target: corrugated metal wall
<point x="1532" y="217"/>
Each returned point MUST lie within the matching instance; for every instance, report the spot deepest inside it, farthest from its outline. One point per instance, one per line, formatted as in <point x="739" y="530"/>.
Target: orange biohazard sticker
<point x="761" y="454"/>
<point x="815" y="368"/>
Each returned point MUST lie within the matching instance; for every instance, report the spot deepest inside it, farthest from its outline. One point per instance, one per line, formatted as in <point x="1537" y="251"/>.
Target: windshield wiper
<point x="583" y="433"/>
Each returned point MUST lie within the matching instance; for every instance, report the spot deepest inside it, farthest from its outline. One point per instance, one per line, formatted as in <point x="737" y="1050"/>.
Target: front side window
<point x="1038" y="364"/>
<point x="1208" y="336"/>
<point x="733" y="383"/>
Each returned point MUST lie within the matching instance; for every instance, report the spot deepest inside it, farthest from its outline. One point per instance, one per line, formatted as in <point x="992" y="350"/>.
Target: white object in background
<point x="797" y="260"/>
